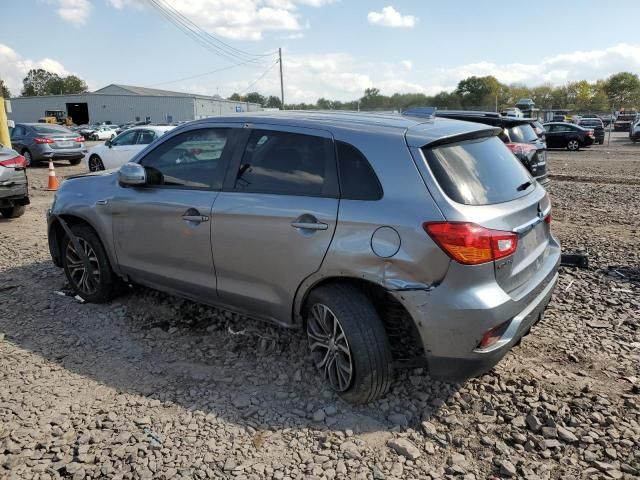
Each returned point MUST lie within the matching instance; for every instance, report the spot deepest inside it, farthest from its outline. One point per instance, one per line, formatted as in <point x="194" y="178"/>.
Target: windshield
<point x="522" y="134"/>
<point x="51" y="129"/>
<point x="478" y="172"/>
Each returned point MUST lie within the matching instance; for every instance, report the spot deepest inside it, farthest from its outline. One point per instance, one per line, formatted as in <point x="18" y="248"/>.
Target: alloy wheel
<point x="77" y="271"/>
<point x="27" y="157"/>
<point x="573" y="145"/>
<point x="329" y="347"/>
<point x="95" y="164"/>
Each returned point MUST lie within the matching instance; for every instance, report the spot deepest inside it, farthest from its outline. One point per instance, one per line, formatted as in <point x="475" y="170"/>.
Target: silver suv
<point x="387" y="238"/>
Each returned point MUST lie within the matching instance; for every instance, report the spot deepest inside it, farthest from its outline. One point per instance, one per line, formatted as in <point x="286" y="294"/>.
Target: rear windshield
<point x="50" y="129"/>
<point x="522" y="134"/>
<point x="479" y="172"/>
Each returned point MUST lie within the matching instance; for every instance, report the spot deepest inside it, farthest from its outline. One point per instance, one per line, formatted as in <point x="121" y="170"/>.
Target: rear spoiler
<point x="462" y="137"/>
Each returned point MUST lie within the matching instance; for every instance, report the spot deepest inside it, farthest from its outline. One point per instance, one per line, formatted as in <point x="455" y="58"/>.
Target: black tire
<point x="75" y="161"/>
<point x="28" y="157"/>
<point x="13" y="212"/>
<point x="573" y="145"/>
<point x="370" y="353"/>
<point x="107" y="282"/>
<point x="95" y="163"/>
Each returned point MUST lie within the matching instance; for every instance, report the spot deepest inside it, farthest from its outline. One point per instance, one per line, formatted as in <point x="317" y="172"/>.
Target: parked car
<point x="559" y="118"/>
<point x="567" y="135"/>
<point x="14" y="187"/>
<point x="512" y="112"/>
<point x="591" y="115"/>
<point x="103" y="132"/>
<point x="301" y="219"/>
<point x="518" y="134"/>
<point x="624" y="120"/>
<point x="634" y="131"/>
<point x="43" y="141"/>
<point x="596" y="125"/>
<point x="119" y="150"/>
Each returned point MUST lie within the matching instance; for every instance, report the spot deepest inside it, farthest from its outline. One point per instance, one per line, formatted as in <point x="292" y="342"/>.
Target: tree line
<point x="621" y="90"/>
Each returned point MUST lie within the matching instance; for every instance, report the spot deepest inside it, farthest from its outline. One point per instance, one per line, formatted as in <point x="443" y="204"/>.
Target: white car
<point x="103" y="133"/>
<point x="119" y="150"/>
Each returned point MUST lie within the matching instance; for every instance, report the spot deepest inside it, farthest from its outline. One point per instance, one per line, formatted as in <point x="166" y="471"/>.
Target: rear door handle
<point x="310" y="225"/>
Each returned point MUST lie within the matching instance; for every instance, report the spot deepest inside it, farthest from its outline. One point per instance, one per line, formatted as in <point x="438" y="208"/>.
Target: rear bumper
<point x="47" y="153"/>
<point x="452" y="317"/>
<point x="14" y="196"/>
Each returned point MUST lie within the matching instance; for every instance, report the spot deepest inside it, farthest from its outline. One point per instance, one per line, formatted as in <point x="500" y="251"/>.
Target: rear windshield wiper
<point x="524" y="186"/>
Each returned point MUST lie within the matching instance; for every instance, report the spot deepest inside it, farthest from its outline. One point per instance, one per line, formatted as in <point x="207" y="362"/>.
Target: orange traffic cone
<point x="53" y="180"/>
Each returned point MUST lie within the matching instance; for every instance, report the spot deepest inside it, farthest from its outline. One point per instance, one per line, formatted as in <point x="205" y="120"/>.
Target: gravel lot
<point x="152" y="386"/>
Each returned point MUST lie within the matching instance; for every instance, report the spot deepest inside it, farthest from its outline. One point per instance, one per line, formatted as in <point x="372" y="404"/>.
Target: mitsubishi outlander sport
<point x="385" y="237"/>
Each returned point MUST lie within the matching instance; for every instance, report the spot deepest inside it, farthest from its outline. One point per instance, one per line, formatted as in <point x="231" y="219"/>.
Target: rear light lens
<point x="79" y="140"/>
<point x="15" y="162"/>
<point x="471" y="244"/>
<point x="493" y="335"/>
<point x="521" y="148"/>
<point x="42" y="140"/>
<point x="547" y="219"/>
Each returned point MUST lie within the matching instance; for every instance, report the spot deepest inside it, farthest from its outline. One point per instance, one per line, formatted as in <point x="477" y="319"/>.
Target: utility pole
<point x="281" y="80"/>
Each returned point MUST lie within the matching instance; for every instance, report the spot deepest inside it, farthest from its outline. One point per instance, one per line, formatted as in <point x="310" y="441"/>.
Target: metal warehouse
<point x="119" y="104"/>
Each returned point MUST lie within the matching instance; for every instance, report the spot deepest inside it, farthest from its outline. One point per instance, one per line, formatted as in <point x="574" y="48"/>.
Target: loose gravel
<point x="152" y="386"/>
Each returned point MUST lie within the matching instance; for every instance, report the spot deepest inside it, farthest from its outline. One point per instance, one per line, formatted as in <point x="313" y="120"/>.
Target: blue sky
<point x="332" y="48"/>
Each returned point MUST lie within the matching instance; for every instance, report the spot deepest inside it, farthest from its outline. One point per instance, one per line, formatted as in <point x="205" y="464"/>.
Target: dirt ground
<point x="152" y="386"/>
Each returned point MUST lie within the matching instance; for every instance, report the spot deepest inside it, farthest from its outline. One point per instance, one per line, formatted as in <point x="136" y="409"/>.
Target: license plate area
<point x="64" y="144"/>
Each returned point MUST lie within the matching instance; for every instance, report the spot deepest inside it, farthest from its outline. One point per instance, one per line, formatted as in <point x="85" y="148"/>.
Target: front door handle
<point x="310" y="225"/>
<point x="195" y="218"/>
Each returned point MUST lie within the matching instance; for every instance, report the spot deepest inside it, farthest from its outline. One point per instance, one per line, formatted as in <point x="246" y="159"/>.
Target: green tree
<point x="37" y="82"/>
<point x="4" y="91"/>
<point x="623" y="90"/>
<point x="255" y="97"/>
<point x="72" y="84"/>
<point x="447" y="100"/>
<point x="236" y="97"/>
<point x="479" y="91"/>
<point x="273" y="102"/>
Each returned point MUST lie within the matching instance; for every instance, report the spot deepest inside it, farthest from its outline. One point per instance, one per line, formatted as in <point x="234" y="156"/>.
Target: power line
<point x="205" y="39"/>
<point x="260" y="77"/>
<point x="199" y="74"/>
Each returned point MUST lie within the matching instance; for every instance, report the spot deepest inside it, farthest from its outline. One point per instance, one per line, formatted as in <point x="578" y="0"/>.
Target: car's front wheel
<point x="348" y="343"/>
<point x="573" y="145"/>
<point x="27" y="156"/>
<point x="13" y="212"/>
<point x="96" y="284"/>
<point x="95" y="163"/>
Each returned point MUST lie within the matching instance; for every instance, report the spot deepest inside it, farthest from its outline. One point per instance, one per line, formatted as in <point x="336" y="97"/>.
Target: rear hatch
<point x="480" y="181"/>
<point x="537" y="163"/>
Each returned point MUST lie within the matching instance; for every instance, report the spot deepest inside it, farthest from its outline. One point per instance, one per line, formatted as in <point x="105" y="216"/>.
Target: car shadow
<point x="204" y="359"/>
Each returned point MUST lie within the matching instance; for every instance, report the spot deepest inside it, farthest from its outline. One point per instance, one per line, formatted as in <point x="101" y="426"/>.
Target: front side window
<point x="287" y="163"/>
<point x="192" y="159"/>
<point x="126" y="138"/>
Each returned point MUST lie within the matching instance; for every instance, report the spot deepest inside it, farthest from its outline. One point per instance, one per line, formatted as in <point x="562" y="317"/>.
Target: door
<point x="17" y="138"/>
<point x="274" y="221"/>
<point x="162" y="232"/>
<point x="121" y="149"/>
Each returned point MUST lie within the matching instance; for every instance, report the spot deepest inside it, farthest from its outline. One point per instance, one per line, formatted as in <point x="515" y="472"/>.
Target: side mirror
<point x="108" y="143"/>
<point x="132" y="175"/>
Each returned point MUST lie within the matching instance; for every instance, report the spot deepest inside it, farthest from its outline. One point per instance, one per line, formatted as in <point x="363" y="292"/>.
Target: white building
<point x="119" y="104"/>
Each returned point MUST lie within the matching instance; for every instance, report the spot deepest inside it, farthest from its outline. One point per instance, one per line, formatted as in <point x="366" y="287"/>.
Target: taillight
<point x="547" y="219"/>
<point x="471" y="244"/>
<point x="520" y="148"/>
<point x="79" y="140"/>
<point x="41" y="140"/>
<point x="493" y="335"/>
<point x="15" y="162"/>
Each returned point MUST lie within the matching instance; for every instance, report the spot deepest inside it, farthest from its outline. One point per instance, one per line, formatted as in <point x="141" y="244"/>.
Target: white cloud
<point x="407" y="64"/>
<point x="239" y="19"/>
<point x="74" y="11"/>
<point x="390" y="17"/>
<point x="15" y="67"/>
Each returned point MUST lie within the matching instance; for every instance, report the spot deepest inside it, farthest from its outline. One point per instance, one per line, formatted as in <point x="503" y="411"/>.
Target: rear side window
<point x="358" y="181"/>
<point x="478" y="172"/>
<point x="289" y="164"/>
<point x="522" y="134"/>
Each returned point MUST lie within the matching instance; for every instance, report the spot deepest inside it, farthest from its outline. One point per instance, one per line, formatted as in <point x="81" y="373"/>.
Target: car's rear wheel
<point x="95" y="163"/>
<point x="573" y="145"/>
<point x="27" y="156"/>
<point x="348" y="343"/>
<point x="13" y="212"/>
<point x="101" y="284"/>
